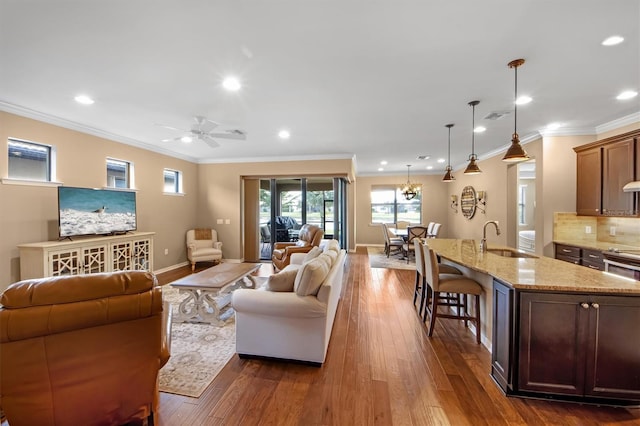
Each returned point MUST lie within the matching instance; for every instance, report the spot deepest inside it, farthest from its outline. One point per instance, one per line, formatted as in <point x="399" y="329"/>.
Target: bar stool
<point x="442" y="287"/>
<point x="420" y="245"/>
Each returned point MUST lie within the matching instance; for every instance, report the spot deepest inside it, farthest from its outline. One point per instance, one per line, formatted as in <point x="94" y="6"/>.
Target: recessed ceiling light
<point x="383" y="162"/>
<point x="380" y="169"/>
<point x="523" y="100"/>
<point x="84" y="100"/>
<point x="554" y="126"/>
<point x="429" y="167"/>
<point x="284" y="134"/>
<point x="612" y="41"/>
<point x="479" y="129"/>
<point x="186" y="139"/>
<point x="628" y="94"/>
<point x="232" y="84"/>
<point x="441" y="160"/>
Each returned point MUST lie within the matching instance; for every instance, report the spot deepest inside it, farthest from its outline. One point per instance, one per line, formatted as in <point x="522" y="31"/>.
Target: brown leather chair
<point x="82" y="350"/>
<point x="309" y="237"/>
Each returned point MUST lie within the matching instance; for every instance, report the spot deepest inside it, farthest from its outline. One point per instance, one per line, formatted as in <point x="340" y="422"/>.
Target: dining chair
<point x="412" y="233"/>
<point x="445" y="290"/>
<point x="435" y="230"/>
<point x="402" y="224"/>
<point x="391" y="241"/>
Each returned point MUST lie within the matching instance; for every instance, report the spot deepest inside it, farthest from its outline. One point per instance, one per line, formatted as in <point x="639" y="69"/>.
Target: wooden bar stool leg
<point x="434" y="309"/>
<point x="478" y="328"/>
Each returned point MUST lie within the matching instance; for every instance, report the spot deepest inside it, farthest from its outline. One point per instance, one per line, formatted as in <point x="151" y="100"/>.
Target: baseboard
<point x="171" y="268"/>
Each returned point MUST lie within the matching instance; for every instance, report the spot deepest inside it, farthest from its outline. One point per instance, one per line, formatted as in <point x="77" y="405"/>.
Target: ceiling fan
<point x="203" y="129"/>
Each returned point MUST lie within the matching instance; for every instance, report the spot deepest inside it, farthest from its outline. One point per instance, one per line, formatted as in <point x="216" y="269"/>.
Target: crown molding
<point x="276" y="159"/>
<point x="619" y="122"/>
<point x="72" y="125"/>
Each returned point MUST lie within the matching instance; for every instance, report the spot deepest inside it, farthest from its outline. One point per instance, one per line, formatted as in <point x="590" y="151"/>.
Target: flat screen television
<point x="87" y="211"/>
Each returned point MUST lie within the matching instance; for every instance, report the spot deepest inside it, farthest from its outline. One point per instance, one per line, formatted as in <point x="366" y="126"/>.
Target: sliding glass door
<point x="288" y="203"/>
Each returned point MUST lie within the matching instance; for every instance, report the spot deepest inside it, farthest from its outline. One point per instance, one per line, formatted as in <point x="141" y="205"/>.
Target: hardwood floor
<point x="381" y="369"/>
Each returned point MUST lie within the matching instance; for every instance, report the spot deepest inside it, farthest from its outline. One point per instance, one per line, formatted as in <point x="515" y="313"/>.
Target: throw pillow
<point x="282" y="281"/>
<point x="313" y="253"/>
<point x="310" y="277"/>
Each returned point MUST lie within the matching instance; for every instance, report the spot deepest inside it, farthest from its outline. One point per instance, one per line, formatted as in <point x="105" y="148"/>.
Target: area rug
<point x="198" y="352"/>
<point x="377" y="259"/>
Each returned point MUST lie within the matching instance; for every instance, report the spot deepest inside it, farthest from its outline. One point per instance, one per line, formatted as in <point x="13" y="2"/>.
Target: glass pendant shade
<point x="409" y="190"/>
<point x="516" y="152"/>
<point x="448" y="176"/>
<point x="472" y="167"/>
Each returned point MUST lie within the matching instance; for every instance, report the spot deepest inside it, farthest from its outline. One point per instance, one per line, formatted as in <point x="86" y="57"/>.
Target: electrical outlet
<point x="166" y="252"/>
<point x="587" y="229"/>
<point x="612" y="231"/>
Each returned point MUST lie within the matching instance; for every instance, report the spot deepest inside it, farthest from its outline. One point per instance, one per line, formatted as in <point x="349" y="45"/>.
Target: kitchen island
<point x="556" y="330"/>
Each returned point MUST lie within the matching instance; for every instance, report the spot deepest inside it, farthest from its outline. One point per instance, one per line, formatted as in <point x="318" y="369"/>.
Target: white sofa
<point x="284" y="324"/>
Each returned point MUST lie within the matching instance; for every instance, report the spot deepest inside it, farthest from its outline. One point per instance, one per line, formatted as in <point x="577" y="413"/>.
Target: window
<point x="522" y="200"/>
<point x="30" y="161"/>
<point x="389" y="206"/>
<point x="118" y="173"/>
<point x="172" y="181"/>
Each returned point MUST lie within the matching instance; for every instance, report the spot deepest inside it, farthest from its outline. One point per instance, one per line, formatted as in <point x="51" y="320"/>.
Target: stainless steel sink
<point x="506" y="252"/>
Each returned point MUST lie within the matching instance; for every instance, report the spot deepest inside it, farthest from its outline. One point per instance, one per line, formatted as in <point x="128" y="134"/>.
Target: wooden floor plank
<point x="381" y="368"/>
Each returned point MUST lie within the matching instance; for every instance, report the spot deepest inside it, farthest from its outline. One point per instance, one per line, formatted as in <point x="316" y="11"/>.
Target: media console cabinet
<point x="87" y="255"/>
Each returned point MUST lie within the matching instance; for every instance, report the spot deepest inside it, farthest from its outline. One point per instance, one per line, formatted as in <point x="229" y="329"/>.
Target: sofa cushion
<point x="312" y="254"/>
<point x="282" y="281"/>
<point x="332" y="245"/>
<point x="310" y="277"/>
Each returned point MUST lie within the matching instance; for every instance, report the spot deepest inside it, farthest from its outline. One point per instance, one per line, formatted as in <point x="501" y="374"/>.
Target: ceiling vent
<point x="496" y="115"/>
<point x="423" y="157"/>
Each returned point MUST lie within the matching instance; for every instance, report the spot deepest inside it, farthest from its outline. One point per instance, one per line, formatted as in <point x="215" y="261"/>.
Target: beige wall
<point x="434" y="204"/>
<point x="30" y="213"/>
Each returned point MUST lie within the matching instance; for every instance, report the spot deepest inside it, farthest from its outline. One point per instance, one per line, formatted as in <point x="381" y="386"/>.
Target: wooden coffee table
<point x="208" y="293"/>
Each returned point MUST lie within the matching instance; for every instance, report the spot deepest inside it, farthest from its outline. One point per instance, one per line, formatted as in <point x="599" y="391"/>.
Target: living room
<point x="379" y="353"/>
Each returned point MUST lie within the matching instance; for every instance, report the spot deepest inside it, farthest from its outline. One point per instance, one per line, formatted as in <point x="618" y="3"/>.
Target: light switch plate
<point x="227" y="221"/>
<point x="219" y="221"/>
<point x="612" y="231"/>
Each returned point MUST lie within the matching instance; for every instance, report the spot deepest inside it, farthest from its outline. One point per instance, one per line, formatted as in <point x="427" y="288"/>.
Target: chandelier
<point x="409" y="190"/>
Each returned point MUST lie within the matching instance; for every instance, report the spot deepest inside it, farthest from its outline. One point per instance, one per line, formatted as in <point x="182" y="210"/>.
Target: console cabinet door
<point x="613" y="364"/>
<point x="618" y="170"/>
<point x="553" y="331"/>
<point x="589" y="182"/>
<point x="502" y="340"/>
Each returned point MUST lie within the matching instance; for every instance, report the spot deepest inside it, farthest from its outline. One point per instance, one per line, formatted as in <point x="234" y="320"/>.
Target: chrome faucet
<point x="483" y="241"/>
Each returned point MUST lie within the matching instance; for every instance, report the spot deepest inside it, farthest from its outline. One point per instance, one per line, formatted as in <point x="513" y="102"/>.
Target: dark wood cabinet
<point x="603" y="168"/>
<point x="618" y="160"/>
<point x="502" y="340"/>
<point x="580" y="345"/>
<point x="589" y="182"/>
<point x="590" y="258"/>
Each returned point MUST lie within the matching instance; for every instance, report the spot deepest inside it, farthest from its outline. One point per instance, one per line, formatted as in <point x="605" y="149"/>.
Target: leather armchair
<point x="82" y="350"/>
<point x="203" y="246"/>
<point x="309" y="237"/>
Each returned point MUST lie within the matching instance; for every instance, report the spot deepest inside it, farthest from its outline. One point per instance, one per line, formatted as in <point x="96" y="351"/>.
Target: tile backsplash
<point x="616" y="230"/>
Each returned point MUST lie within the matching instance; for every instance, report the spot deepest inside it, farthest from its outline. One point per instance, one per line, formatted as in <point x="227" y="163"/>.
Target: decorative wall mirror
<point x="468" y="202"/>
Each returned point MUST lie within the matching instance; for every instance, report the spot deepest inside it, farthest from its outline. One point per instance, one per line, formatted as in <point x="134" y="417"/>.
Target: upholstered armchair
<point x="309" y="237"/>
<point x="82" y="350"/>
<point x="203" y="246"/>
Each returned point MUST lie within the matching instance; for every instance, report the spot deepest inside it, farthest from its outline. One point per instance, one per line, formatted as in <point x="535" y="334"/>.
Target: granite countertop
<point x="597" y="245"/>
<point x="537" y="274"/>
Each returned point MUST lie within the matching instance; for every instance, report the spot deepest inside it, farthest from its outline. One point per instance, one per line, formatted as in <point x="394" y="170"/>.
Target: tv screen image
<point x="87" y="211"/>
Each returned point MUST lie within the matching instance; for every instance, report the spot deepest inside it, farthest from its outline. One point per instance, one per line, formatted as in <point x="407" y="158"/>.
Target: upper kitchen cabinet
<point x="603" y="168"/>
<point x="589" y="182"/>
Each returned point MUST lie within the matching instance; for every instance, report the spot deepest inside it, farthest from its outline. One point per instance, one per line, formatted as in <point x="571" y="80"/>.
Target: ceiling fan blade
<point x="230" y="134"/>
<point x="171" y="139"/>
<point x="209" y="141"/>
<point x="171" y="128"/>
<point x="203" y="123"/>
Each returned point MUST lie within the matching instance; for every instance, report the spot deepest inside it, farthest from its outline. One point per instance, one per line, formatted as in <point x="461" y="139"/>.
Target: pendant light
<point x="448" y="177"/>
<point x="409" y="190"/>
<point x="472" y="167"/>
<point x="516" y="152"/>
